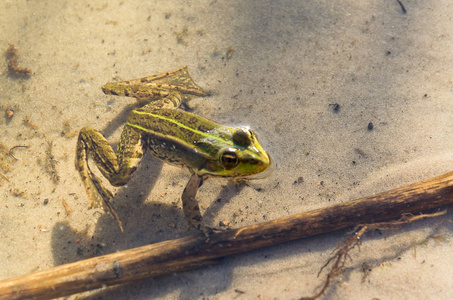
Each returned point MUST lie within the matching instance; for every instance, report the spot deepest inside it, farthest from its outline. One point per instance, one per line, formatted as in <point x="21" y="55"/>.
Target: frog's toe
<point x="207" y="230"/>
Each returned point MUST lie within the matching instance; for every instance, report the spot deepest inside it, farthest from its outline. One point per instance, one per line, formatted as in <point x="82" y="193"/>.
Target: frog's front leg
<point x="116" y="168"/>
<point x="191" y="208"/>
<point x="190" y="204"/>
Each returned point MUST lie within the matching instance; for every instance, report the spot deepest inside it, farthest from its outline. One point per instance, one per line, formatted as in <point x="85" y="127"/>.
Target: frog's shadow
<point x="119" y="120"/>
<point x="134" y="214"/>
<point x="144" y="223"/>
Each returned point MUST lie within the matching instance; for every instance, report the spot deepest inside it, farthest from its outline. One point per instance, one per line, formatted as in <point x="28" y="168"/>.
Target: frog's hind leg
<point x="156" y="87"/>
<point x="173" y="100"/>
<point x="117" y="169"/>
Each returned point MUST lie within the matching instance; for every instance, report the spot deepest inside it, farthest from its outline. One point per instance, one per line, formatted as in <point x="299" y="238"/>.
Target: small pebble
<point x="9" y="112"/>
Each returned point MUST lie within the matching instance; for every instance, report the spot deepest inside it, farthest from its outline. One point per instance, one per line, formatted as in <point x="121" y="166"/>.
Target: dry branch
<point x="192" y="251"/>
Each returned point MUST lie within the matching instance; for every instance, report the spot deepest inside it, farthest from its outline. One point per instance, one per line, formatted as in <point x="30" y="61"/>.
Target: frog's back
<point x="175" y="136"/>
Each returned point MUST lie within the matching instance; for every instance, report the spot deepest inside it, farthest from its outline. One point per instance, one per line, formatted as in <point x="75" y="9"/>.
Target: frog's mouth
<point x="265" y="173"/>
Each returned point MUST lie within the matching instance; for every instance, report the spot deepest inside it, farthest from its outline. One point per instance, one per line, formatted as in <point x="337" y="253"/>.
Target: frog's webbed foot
<point x="104" y="199"/>
<point x="207" y="230"/>
<point x="100" y="197"/>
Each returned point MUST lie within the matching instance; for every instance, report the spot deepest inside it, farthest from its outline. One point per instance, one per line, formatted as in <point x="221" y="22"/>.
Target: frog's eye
<point x="241" y="137"/>
<point x="229" y="158"/>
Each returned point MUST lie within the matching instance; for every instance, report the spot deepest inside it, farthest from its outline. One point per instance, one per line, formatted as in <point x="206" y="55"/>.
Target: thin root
<point x="341" y="253"/>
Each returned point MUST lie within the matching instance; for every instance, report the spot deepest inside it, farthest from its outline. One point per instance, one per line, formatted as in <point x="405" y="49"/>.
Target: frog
<point x="178" y="137"/>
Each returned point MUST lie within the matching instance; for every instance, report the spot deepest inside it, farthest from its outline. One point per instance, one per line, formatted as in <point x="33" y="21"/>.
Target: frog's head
<point x="241" y="156"/>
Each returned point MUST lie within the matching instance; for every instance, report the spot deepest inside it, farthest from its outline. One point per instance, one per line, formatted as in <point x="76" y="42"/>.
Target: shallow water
<point x="308" y="76"/>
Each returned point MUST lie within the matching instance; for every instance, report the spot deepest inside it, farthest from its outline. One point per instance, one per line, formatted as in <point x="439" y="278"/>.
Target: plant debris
<point x="26" y="121"/>
<point x="403" y="9"/>
<point x="229" y="52"/>
<point x="66" y="131"/>
<point x="67" y="208"/>
<point x="10" y="152"/>
<point x="7" y="157"/>
<point x="51" y="163"/>
<point x="12" y="58"/>
<point x="181" y="35"/>
<point x="341" y="253"/>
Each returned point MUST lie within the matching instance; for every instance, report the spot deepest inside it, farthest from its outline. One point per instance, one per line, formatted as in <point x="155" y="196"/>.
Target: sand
<point x="292" y="63"/>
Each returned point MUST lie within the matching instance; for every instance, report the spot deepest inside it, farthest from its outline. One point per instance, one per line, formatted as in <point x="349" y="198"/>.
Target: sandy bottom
<point x="289" y="65"/>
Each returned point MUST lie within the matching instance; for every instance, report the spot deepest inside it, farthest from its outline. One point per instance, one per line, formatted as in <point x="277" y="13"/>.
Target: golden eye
<point x="241" y="137"/>
<point x="229" y="158"/>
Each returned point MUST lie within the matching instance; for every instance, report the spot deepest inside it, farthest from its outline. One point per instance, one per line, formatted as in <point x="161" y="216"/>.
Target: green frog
<point x="206" y="148"/>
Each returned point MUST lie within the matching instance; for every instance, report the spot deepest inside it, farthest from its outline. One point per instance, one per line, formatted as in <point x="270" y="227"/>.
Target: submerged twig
<point x="10" y="152"/>
<point x="402" y="6"/>
<point x="4" y="177"/>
